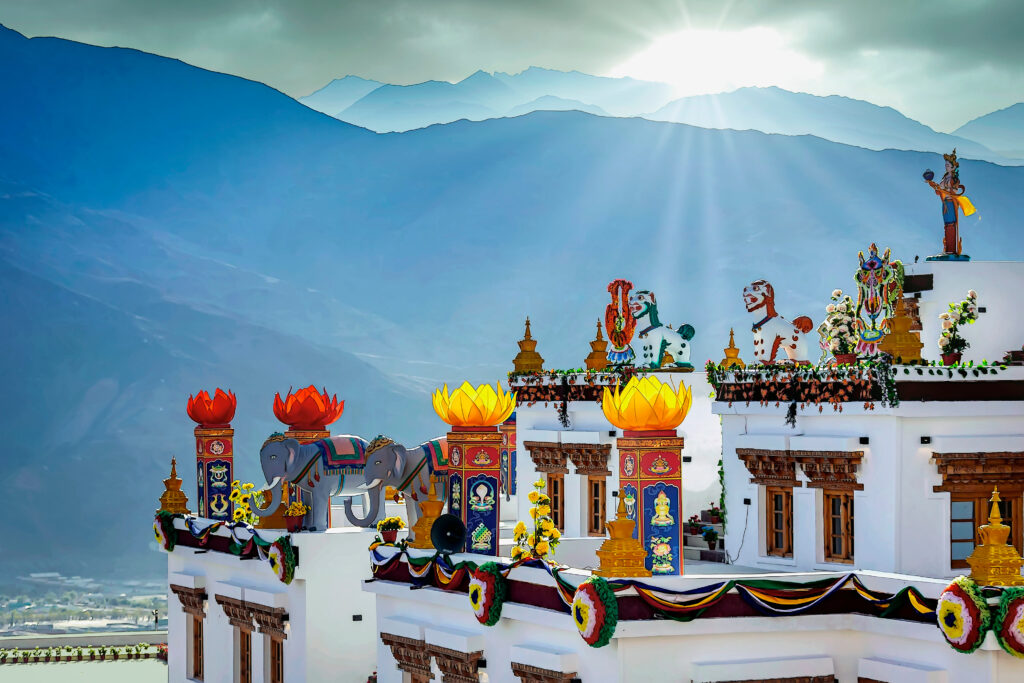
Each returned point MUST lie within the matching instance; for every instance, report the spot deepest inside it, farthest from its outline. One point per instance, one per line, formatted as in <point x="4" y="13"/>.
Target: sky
<point x="942" y="62"/>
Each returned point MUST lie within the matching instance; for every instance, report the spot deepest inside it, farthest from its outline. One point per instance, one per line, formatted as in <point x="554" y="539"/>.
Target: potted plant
<point x="3" y="655"/>
<point x="711" y="537"/>
<point x="388" y="528"/>
<point x="694" y="524"/>
<point x="715" y="513"/>
<point x="161" y="651"/>
<point x="838" y="328"/>
<point x="140" y="650"/>
<point x="77" y="653"/>
<point x="92" y="654"/>
<point x="951" y="344"/>
<point x="294" y="514"/>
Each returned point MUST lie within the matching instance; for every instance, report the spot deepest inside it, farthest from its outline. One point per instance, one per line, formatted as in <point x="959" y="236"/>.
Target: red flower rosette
<point x="487" y="591"/>
<point x="595" y="610"/>
<point x="963" y="615"/>
<point x="1010" y="621"/>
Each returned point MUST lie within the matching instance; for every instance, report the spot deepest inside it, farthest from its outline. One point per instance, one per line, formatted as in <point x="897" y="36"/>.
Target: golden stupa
<point x="598" y="358"/>
<point x="900" y="343"/>
<point x="732" y="355"/>
<point x="622" y="555"/>
<point x="430" y="510"/>
<point x="528" y="360"/>
<point x="173" y="499"/>
<point x="995" y="562"/>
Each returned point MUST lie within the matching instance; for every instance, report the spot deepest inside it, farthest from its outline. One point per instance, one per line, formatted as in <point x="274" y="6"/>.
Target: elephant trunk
<point x="371" y="516"/>
<point x="275" y="499"/>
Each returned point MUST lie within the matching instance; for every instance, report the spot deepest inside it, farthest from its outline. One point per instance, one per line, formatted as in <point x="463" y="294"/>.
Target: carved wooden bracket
<point x="270" y="620"/>
<point x="239" y="615"/>
<point x="410" y="654"/>
<point x="979" y="472"/>
<point x="455" y="666"/>
<point x="534" y="674"/>
<point x="192" y="599"/>
<point x="547" y="456"/>
<point x="769" y="468"/>
<point x="830" y="469"/>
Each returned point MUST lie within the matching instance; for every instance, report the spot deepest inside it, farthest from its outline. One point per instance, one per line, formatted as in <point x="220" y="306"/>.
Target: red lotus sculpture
<point x="212" y="412"/>
<point x="308" y="409"/>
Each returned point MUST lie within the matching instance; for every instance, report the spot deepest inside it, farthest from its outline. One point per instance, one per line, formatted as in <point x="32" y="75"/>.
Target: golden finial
<point x="621" y="555"/>
<point x="173" y="499"/>
<point x="430" y="510"/>
<point x="598" y="358"/>
<point x="995" y="562"/>
<point x="528" y="360"/>
<point x="732" y="354"/>
<point x="900" y="342"/>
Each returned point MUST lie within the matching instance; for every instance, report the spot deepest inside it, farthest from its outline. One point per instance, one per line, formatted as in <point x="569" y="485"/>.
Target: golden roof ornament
<point x="598" y="358"/>
<point x="621" y="555"/>
<point x="431" y="510"/>
<point x="995" y="562"/>
<point x="173" y="499"/>
<point x="528" y="360"/>
<point x="903" y="345"/>
<point x="732" y="355"/>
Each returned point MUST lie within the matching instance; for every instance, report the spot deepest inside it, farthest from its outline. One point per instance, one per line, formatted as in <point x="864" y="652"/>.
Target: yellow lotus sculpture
<point x="646" y="404"/>
<point x="474" y="407"/>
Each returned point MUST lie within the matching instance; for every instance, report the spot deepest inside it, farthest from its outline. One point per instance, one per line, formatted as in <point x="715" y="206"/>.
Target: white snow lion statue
<point x="658" y="340"/>
<point x="772" y="332"/>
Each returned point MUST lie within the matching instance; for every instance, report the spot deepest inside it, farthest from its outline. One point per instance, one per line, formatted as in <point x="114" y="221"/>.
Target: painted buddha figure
<point x="662" y="517"/>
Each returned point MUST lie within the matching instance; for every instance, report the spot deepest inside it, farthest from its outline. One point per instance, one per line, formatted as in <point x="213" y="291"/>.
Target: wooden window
<point x="596" y="505"/>
<point x="838" y="526"/>
<point x="244" y="656"/>
<point x="556" y="492"/>
<point x="968" y="512"/>
<point x="276" y="660"/>
<point x="779" y="522"/>
<point x="196" y="672"/>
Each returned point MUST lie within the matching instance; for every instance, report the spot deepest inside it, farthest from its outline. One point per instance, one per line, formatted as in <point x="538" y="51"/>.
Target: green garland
<point x="488" y="590"/>
<point x="607" y="611"/>
<point x="963" y="631"/>
<point x="166" y="521"/>
<point x="286" y="571"/>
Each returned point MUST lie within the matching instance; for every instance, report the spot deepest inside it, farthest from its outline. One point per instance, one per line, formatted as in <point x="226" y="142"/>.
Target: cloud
<point x="916" y="56"/>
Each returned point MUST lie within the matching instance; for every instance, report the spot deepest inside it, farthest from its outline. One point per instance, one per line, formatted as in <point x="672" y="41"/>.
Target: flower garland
<point x="282" y="559"/>
<point x="963" y="615"/>
<point x="595" y="611"/>
<point x="838" y="327"/>
<point x="163" y="529"/>
<point x="545" y="537"/>
<point x="961" y="313"/>
<point x="1010" y="620"/>
<point x="487" y="592"/>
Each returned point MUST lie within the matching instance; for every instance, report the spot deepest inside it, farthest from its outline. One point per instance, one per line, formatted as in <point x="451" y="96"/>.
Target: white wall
<point x="998" y="285"/>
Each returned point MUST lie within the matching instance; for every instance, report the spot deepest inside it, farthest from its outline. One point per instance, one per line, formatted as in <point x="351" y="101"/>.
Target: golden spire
<point x="732" y="355"/>
<point x="900" y="343"/>
<point x="622" y="555"/>
<point x="995" y="562"/>
<point x="528" y="360"/>
<point x="173" y="499"/>
<point x="598" y="358"/>
<point x="430" y="510"/>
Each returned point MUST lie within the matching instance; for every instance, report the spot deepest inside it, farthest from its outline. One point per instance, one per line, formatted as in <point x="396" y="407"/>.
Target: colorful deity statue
<point x="879" y="286"/>
<point x="951" y="192"/>
<point x="619" y="323"/>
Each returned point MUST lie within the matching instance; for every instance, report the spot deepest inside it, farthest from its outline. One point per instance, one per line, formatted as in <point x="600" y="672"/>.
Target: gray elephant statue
<point x="406" y="470"/>
<point x="324" y="468"/>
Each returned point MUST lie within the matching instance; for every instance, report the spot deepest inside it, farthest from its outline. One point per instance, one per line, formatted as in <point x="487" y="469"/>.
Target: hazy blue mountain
<point x="339" y="94"/>
<point x="1002" y="131"/>
<point x="484" y="96"/>
<point x="840" y="119"/>
<point x="552" y="103"/>
<point x="152" y="244"/>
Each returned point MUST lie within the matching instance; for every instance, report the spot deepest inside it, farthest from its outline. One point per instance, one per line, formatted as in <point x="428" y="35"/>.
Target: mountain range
<point x="166" y="229"/>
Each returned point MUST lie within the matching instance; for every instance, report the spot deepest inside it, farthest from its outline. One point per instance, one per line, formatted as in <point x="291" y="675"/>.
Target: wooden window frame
<point x="275" y="653"/>
<point x="244" y="655"/>
<point x="196" y="645"/>
<point x="1014" y="500"/>
<point x="787" y="521"/>
<point x="596" y="517"/>
<point x="846" y="522"/>
<point x="557" y="498"/>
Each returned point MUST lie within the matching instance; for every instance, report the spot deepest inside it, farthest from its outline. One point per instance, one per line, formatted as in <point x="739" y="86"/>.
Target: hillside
<point x="1002" y="131"/>
<point x="840" y="119"/>
<point x="194" y="249"/>
<point x="339" y="94"/>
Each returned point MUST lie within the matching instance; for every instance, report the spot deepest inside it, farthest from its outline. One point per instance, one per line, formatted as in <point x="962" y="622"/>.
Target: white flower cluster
<point x="962" y="313"/>
<point x="839" y="324"/>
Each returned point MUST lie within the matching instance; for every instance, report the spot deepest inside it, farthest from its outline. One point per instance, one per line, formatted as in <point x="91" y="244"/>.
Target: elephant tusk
<point x="277" y="480"/>
<point x="369" y="485"/>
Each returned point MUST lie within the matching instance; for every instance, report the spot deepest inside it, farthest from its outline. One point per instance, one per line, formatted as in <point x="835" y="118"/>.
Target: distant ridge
<point x="1001" y="130"/>
<point x="339" y="94"/>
